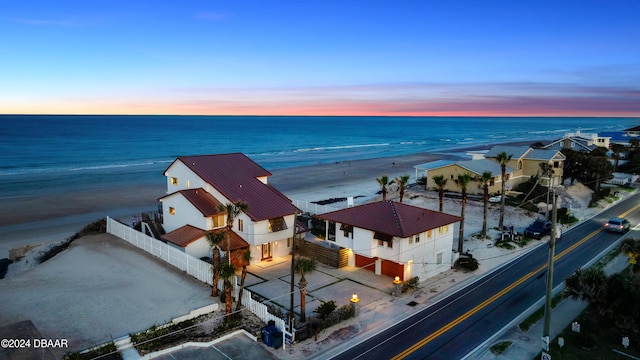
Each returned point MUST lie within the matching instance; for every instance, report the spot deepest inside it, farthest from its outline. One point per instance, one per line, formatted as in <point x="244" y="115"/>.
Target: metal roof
<point x="481" y="165"/>
<point x="235" y="176"/>
<point x="391" y="218"/>
<point x="184" y="235"/>
<point x="434" y="165"/>
<point x="201" y="200"/>
<point x="516" y="151"/>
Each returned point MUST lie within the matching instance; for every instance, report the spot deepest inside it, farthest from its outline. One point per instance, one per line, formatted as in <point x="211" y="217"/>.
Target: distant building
<point x="578" y="141"/>
<point x="524" y="164"/>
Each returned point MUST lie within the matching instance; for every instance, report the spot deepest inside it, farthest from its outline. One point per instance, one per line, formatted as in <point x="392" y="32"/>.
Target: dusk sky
<point x="269" y="57"/>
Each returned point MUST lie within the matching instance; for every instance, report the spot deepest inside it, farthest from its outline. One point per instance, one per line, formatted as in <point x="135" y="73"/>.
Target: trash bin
<point x="267" y="335"/>
<point x="276" y="338"/>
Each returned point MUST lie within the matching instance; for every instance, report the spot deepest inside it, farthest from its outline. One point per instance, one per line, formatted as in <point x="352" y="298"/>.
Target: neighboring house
<point x="451" y="169"/>
<point x="198" y="185"/>
<point x="632" y="132"/>
<point x="393" y="239"/>
<point x="525" y="163"/>
<point x="528" y="160"/>
<point x="579" y="142"/>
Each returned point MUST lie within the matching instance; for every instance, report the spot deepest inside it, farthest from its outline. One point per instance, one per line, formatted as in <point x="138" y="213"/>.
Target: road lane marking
<point x="495" y="297"/>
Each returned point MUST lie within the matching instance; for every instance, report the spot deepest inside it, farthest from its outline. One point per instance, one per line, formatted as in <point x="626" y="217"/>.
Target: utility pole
<point x="292" y="289"/>
<point x="552" y="250"/>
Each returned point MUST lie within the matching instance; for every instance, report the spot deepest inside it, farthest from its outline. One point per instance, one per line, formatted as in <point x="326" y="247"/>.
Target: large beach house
<point x="198" y="185"/>
<point x="524" y="163"/>
<point x="393" y="239"/>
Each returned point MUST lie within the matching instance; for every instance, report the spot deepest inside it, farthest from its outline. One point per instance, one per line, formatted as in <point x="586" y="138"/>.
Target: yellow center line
<point x="495" y="297"/>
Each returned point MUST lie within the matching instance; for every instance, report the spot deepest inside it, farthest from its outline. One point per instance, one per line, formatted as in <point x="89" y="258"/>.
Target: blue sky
<point x="566" y="58"/>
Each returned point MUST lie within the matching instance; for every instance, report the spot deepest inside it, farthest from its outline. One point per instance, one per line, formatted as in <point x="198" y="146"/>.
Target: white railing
<point x="312" y="208"/>
<point x="193" y="266"/>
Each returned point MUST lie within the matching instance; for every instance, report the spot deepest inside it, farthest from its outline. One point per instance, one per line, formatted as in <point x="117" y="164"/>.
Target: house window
<point x="240" y="225"/>
<point x="347" y="230"/>
<point x="331" y="231"/>
<point x="173" y="180"/>
<point x="188" y="184"/>
<point x="410" y="240"/>
<point x="382" y="238"/>
<point x="172" y="210"/>
<point x="417" y="238"/>
<point x="218" y="221"/>
<point x="429" y="233"/>
<point x="443" y="229"/>
<point x="289" y="242"/>
<point x="438" y="258"/>
<point x="277" y="224"/>
<point x="556" y="164"/>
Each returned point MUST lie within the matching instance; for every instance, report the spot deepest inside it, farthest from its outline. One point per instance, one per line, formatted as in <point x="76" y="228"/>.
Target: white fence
<point x="193" y="266"/>
<point x="312" y="208"/>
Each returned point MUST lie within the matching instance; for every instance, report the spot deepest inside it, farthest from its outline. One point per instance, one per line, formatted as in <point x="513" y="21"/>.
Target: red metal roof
<point x="187" y="234"/>
<point x="236" y="241"/>
<point x="184" y="235"/>
<point x="201" y="200"/>
<point x="392" y="218"/>
<point x="235" y="176"/>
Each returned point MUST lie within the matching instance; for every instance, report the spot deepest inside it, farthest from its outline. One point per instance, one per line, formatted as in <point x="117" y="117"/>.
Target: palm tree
<point x="440" y="182"/>
<point x="485" y="179"/>
<point x="232" y="210"/>
<point x="215" y="239"/>
<point x="590" y="285"/>
<point x="384" y="182"/>
<point x="617" y="149"/>
<point x="304" y="266"/>
<point x="462" y="181"/>
<point x="245" y="257"/>
<point x="503" y="158"/>
<point x="402" y="181"/>
<point x="227" y="271"/>
<point x="631" y="247"/>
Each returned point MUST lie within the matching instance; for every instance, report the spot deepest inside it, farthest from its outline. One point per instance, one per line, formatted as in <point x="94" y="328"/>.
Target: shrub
<point x="335" y="317"/>
<point x="107" y="352"/>
<point x="326" y="308"/>
<point x="467" y="263"/>
<point x="410" y="284"/>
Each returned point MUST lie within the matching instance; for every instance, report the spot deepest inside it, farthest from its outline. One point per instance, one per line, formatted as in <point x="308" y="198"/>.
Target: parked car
<point x="538" y="229"/>
<point x="617" y="225"/>
<point x="495" y="199"/>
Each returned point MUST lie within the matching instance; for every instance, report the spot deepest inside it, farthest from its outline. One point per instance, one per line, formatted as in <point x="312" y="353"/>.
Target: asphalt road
<point x="456" y="325"/>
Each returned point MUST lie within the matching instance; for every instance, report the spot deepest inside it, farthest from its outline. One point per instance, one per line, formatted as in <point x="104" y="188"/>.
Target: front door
<point x="266" y="251"/>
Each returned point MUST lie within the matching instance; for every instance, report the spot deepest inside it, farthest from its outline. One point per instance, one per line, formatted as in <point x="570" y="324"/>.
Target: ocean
<point x="44" y="154"/>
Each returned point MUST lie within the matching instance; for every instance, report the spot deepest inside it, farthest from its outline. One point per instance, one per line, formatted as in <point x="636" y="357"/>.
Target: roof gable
<point x="184" y="235"/>
<point x="201" y="200"/>
<point x="539" y="154"/>
<point x="235" y="176"/>
<point x="391" y="218"/>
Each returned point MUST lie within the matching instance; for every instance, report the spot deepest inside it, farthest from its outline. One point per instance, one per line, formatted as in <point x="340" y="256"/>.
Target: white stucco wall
<point x="199" y="248"/>
<point x="185" y="213"/>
